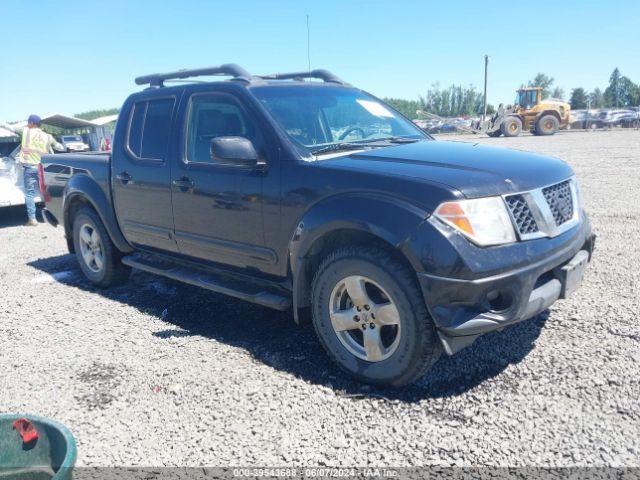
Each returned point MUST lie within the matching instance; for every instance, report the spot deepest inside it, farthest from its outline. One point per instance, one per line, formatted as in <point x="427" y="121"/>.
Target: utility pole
<point x="484" y="99"/>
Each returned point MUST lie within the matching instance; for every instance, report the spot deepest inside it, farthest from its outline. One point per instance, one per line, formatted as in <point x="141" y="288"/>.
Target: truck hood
<point x="473" y="169"/>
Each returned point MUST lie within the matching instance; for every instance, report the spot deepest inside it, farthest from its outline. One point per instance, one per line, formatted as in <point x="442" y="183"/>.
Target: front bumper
<point x="464" y="309"/>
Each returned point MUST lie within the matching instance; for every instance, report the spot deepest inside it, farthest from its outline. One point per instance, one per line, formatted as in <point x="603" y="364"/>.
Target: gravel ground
<point x="160" y="373"/>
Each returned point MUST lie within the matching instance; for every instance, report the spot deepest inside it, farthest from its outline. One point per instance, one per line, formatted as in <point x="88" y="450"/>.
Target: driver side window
<point x="212" y="116"/>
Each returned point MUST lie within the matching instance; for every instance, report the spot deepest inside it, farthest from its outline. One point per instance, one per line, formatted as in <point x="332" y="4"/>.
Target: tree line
<point x="93" y="114"/>
<point x="454" y="101"/>
<point x="621" y="92"/>
<point x="459" y="101"/>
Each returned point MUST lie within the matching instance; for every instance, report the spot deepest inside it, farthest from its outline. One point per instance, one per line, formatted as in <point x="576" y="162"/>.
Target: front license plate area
<point x="572" y="273"/>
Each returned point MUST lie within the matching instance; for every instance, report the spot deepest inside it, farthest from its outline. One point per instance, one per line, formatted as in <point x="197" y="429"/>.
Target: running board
<point x="222" y="283"/>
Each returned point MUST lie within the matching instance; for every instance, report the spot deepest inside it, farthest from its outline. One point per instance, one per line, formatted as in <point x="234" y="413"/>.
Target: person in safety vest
<point x="35" y="143"/>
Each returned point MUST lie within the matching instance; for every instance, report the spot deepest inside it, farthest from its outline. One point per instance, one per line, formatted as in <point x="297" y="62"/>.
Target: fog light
<point x="499" y="300"/>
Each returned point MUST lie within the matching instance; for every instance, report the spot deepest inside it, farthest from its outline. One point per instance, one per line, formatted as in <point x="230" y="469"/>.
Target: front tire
<point x="99" y="259"/>
<point x="547" y="125"/>
<point x="370" y="317"/>
<point x="511" y="127"/>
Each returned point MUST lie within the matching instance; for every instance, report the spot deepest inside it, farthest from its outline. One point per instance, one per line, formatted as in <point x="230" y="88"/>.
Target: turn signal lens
<point x="484" y="221"/>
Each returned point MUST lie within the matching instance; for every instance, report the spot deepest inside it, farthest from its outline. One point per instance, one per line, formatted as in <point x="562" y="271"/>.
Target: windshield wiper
<point x="396" y="140"/>
<point x="371" y="143"/>
<point x="336" y="147"/>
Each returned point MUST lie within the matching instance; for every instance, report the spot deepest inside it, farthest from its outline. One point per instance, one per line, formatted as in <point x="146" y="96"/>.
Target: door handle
<point x="124" y="177"/>
<point x="184" y="184"/>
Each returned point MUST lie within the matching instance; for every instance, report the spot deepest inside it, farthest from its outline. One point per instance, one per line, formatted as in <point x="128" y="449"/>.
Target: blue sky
<point x="76" y="55"/>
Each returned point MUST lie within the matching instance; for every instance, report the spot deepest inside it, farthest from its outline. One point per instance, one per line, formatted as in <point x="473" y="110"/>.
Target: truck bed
<point x="59" y="169"/>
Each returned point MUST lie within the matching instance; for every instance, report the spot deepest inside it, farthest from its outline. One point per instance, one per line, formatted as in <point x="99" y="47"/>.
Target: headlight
<point x="578" y="200"/>
<point x="484" y="221"/>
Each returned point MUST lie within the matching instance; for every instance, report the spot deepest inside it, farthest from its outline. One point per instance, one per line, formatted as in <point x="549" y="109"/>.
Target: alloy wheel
<point x="91" y="248"/>
<point x="364" y="318"/>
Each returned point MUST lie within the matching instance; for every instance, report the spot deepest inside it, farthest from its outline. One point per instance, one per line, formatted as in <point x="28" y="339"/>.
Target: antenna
<point x="308" y="45"/>
<point x="484" y="97"/>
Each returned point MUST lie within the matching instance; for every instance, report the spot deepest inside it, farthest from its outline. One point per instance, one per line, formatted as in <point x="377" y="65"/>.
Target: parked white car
<point x="11" y="184"/>
<point x="73" y="143"/>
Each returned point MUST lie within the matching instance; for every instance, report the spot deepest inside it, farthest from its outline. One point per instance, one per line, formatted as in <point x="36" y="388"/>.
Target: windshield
<point x="526" y="98"/>
<point x="319" y="116"/>
<point x="72" y="138"/>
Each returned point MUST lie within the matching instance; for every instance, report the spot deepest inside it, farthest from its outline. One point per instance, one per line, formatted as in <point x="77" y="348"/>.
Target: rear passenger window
<point x="135" y="128"/>
<point x="149" y="128"/>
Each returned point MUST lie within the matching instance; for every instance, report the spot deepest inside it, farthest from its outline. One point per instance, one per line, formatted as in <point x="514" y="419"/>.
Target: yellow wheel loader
<point x="529" y="113"/>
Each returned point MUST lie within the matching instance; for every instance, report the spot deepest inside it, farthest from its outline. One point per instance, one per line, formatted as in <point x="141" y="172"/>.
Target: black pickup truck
<point x="300" y="192"/>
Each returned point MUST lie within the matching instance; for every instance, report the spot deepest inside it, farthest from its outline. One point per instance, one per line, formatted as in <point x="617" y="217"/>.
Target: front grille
<point x="522" y="215"/>
<point x="560" y="201"/>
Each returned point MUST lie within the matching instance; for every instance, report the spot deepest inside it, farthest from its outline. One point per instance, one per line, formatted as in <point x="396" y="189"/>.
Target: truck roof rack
<point x="325" y="75"/>
<point x="156" y="80"/>
<point x="229" y="69"/>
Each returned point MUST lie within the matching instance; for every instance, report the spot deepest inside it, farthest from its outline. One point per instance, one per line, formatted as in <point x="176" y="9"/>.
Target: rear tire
<point x="351" y="287"/>
<point x="511" y="127"/>
<point x="98" y="257"/>
<point x="547" y="125"/>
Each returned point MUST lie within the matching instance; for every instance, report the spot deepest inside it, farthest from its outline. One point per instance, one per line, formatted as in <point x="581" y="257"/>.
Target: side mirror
<point x="234" y="151"/>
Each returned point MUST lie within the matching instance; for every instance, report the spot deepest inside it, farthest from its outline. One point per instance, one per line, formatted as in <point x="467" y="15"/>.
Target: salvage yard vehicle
<point x="11" y="183"/>
<point x="611" y="118"/>
<point x="579" y="119"/>
<point x="317" y="197"/>
<point x="529" y="113"/>
<point x="73" y="143"/>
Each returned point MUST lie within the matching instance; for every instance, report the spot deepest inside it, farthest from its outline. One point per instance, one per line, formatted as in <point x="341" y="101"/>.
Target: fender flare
<point x="547" y="112"/>
<point x="391" y="219"/>
<point x="82" y="186"/>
